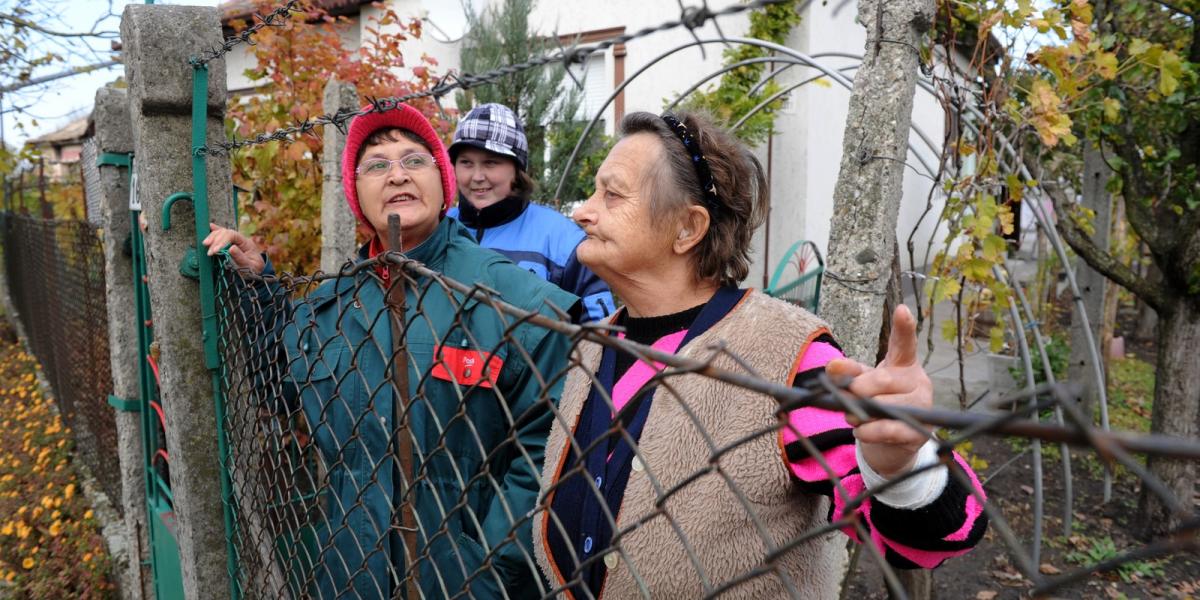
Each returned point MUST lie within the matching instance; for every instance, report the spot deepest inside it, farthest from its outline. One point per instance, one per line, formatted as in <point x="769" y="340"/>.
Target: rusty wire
<point x="289" y="375"/>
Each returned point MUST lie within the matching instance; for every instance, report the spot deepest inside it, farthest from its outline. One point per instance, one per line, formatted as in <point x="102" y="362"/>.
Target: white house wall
<point x="447" y="55"/>
<point x="666" y="79"/>
<point x="805" y="153"/>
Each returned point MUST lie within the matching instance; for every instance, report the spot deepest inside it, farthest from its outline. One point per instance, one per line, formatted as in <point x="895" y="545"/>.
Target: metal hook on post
<point x="189" y="265"/>
<point x="166" y="209"/>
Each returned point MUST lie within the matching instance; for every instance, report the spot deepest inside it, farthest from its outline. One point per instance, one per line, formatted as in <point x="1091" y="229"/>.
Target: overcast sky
<point x="52" y="105"/>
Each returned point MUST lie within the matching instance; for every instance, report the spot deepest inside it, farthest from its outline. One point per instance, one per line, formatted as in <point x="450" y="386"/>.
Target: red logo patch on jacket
<point x="467" y="367"/>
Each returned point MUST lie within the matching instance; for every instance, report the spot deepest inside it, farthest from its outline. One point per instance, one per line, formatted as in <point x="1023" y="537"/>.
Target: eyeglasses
<point x="379" y="167"/>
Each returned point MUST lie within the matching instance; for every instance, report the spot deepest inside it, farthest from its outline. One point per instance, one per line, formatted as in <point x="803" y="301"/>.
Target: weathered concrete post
<point x="1092" y="285"/>
<point x="114" y="135"/>
<point x="337" y="222"/>
<point x="158" y="41"/>
<point x="866" y="200"/>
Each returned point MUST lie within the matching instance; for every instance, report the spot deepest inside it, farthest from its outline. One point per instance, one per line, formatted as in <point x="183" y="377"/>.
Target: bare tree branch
<point x="62" y="34"/>
<point x="1102" y="261"/>
<point x="1174" y="8"/>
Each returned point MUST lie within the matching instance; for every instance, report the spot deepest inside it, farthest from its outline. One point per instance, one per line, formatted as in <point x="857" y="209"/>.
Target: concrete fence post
<point x="158" y="41"/>
<point x="861" y="267"/>
<point x="337" y="222"/>
<point x="1092" y="285"/>
<point x="866" y="199"/>
<point x="114" y="135"/>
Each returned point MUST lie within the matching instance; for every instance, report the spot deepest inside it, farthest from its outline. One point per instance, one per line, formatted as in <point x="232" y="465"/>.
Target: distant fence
<point x="55" y="271"/>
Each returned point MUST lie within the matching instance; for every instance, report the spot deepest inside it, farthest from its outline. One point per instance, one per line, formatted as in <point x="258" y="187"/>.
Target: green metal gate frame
<point x="164" y="545"/>
<point x="166" y="573"/>
<point x="206" y="272"/>
<point x="779" y="289"/>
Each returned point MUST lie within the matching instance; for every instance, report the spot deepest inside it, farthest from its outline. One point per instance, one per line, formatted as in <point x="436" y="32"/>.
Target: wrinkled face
<point x="484" y="178"/>
<point x="415" y="194"/>
<point x="622" y="241"/>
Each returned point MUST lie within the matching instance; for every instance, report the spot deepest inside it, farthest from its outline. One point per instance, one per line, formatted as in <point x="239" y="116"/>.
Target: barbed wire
<point x="246" y="36"/>
<point x="691" y="18"/>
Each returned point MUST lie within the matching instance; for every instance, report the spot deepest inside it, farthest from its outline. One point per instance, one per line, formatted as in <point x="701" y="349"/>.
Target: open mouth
<point x="401" y="199"/>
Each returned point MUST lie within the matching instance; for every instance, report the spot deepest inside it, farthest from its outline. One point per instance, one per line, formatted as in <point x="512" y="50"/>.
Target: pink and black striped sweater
<point x="705" y="531"/>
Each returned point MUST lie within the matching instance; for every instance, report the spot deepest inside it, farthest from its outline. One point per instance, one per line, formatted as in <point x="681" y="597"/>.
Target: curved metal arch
<point x="1060" y="250"/>
<point x="930" y="172"/>
<point x="738" y="40"/>
<point x="928" y="141"/>
<point x="1030" y="383"/>
<point x="722" y="71"/>
<point x="1035" y="328"/>
<point x="777" y="72"/>
<point x="792" y="61"/>
<point x="789" y="62"/>
<point x="1047" y="227"/>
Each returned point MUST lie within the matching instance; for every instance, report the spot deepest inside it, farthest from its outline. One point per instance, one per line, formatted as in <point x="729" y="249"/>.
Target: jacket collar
<point x="490" y="216"/>
<point x="431" y="252"/>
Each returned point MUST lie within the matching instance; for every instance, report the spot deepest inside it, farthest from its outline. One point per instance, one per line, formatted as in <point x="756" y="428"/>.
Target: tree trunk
<point x="1176" y="409"/>
<point x="1147" y="322"/>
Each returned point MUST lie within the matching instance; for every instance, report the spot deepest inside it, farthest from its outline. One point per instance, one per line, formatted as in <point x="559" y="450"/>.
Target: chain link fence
<point x="55" y="271"/>
<point x="396" y="433"/>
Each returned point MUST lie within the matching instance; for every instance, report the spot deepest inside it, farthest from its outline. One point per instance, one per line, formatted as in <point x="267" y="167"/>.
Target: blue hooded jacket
<point x="541" y="240"/>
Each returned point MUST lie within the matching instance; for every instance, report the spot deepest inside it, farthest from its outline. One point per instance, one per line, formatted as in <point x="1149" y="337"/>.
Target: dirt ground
<point x="989" y="572"/>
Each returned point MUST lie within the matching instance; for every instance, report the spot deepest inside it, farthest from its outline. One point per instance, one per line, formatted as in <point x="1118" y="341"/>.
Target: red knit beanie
<point x="401" y="117"/>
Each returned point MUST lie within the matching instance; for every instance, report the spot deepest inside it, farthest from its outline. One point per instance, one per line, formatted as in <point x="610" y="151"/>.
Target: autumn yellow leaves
<point x="50" y="546"/>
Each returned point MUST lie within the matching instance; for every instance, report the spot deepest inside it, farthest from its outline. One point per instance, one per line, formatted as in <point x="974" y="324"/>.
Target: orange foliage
<point x="294" y="62"/>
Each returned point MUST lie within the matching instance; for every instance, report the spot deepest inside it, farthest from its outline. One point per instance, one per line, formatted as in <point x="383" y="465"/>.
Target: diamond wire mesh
<point x="55" y="271"/>
<point x="334" y="500"/>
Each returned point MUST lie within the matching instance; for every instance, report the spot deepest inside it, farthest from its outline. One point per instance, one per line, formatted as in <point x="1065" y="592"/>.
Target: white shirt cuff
<point x="915" y="492"/>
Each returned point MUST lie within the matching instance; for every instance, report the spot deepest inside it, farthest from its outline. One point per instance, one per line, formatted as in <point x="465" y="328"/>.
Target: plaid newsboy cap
<point x="492" y="127"/>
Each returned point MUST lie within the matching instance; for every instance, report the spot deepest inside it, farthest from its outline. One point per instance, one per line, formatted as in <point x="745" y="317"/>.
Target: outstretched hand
<point x="244" y="252"/>
<point x="890" y="446"/>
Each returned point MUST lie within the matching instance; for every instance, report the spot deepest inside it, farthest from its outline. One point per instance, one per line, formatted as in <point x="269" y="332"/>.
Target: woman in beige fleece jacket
<point x="650" y="487"/>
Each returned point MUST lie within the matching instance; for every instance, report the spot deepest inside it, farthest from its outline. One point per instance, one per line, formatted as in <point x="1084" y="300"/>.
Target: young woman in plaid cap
<point x="490" y="155"/>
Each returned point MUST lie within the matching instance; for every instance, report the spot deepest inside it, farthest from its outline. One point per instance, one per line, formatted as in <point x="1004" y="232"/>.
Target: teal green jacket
<point x="477" y="451"/>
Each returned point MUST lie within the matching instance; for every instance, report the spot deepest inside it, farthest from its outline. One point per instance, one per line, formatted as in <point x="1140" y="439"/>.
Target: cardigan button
<point x="610" y="560"/>
<point x="637" y="464"/>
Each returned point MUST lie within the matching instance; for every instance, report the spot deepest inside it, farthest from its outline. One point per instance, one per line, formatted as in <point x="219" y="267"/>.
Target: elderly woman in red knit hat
<point x="450" y="515"/>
